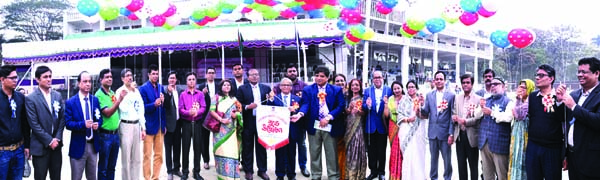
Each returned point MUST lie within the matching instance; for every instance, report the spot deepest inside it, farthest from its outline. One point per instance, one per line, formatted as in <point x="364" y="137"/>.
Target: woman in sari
<point x="354" y="139"/>
<point x="340" y="81"/>
<point x="391" y="111"/>
<point x="227" y="142"/>
<point x="412" y="134"/>
<point x="518" y="140"/>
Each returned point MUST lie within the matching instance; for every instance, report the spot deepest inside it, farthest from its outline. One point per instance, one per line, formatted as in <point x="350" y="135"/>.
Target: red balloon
<point x="408" y="30"/>
<point x="521" y="38"/>
<point x="468" y="18"/>
<point x="309" y="7"/>
<point x="352" y="37"/>
<point x="485" y="13"/>
<point x="203" y="22"/>
<point x="288" y="13"/>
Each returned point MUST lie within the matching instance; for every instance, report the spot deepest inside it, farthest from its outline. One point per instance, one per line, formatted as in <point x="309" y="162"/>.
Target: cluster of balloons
<point x="161" y="13"/>
<point x="386" y="6"/>
<point x="519" y="38"/>
<point x="357" y="33"/>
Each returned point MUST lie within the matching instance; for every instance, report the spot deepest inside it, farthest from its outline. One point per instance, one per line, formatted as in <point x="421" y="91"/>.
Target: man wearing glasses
<point x="45" y="113"/>
<point x="494" y="132"/>
<point x="376" y="125"/>
<point x="209" y="89"/>
<point x="14" y="128"/>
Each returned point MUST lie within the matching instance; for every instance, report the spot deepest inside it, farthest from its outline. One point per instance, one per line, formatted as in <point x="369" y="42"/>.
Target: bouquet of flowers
<point x="548" y="102"/>
<point x="295" y="105"/>
<point x="470" y="109"/>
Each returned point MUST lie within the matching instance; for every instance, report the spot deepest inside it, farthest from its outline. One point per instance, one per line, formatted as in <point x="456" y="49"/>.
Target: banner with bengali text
<point x="272" y="126"/>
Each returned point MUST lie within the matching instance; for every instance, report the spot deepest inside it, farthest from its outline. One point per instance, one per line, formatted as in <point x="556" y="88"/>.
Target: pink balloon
<point x="271" y="3"/>
<point x="485" y="13"/>
<point x="264" y="2"/>
<point x="309" y="7"/>
<point x="158" y="20"/>
<point x="209" y="19"/>
<point x="351" y="37"/>
<point x="171" y="11"/>
<point x="203" y="22"/>
<point x="521" y="38"/>
<point x="382" y="9"/>
<point x="351" y="16"/>
<point x="246" y="10"/>
<point x="288" y="13"/>
<point x="132" y="17"/>
<point x="468" y="18"/>
<point x="135" y="5"/>
<point x="408" y="30"/>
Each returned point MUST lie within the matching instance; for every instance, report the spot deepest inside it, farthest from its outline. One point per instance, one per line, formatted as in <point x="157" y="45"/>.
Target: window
<point x="136" y="26"/>
<point x="86" y="30"/>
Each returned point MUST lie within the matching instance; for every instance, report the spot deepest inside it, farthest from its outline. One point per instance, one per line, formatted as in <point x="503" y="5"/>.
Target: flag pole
<point x="222" y="62"/>
<point x="304" y="55"/>
<point x="297" y="39"/>
<point x="241" y="46"/>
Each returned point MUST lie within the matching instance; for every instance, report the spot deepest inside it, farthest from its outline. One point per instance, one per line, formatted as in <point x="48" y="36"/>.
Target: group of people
<point x="532" y="136"/>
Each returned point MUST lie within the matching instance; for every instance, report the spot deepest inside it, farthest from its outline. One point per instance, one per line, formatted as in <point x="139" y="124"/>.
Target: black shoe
<point x="249" y="176"/>
<point x="372" y="176"/>
<point x="198" y="177"/>
<point x="305" y="172"/>
<point x="178" y="173"/>
<point x="263" y="175"/>
<point x="279" y="177"/>
<point x="184" y="176"/>
<point x="381" y="177"/>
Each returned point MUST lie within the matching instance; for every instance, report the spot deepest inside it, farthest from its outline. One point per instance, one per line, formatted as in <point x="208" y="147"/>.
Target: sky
<point x="511" y="14"/>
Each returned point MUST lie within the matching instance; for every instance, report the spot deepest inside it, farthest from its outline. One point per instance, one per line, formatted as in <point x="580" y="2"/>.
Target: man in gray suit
<point x="467" y="114"/>
<point x="441" y="128"/>
<point x="45" y="113"/>
<point x="173" y="135"/>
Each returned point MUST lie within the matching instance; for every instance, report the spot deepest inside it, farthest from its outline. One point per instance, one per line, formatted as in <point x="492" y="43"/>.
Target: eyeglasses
<point x="466" y="82"/>
<point x="284" y="85"/>
<point x="496" y="84"/>
<point x="583" y="72"/>
<point x="540" y="75"/>
<point x="14" y="78"/>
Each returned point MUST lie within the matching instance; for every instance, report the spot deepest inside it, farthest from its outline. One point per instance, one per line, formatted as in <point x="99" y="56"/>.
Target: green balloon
<point x="293" y="4"/>
<point x="198" y="14"/>
<point x="169" y="27"/>
<point x="270" y="14"/>
<point x="213" y="12"/>
<point x="449" y="19"/>
<point x="109" y="11"/>
<point x="253" y="6"/>
<point x="415" y="24"/>
<point x="405" y="34"/>
<point x="263" y="8"/>
<point x="225" y="5"/>
<point x="331" y="12"/>
<point x="355" y="31"/>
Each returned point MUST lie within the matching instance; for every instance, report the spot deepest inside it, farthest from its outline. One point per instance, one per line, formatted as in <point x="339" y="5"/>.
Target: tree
<point x="596" y="40"/>
<point x="39" y="20"/>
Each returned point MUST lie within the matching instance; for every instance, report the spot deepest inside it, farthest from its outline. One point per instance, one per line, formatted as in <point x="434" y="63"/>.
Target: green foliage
<point x="39" y="20"/>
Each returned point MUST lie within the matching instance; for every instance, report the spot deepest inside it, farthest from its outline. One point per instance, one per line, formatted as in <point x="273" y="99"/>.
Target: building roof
<point x="148" y="40"/>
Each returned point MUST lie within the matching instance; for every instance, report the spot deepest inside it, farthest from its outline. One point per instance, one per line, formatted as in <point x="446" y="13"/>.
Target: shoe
<point x="305" y="172"/>
<point x="198" y="177"/>
<point x="279" y="177"/>
<point x="372" y="176"/>
<point x="381" y="177"/>
<point x="263" y="175"/>
<point x="170" y="177"/>
<point x="178" y="173"/>
<point x="184" y="177"/>
<point x="206" y="166"/>
<point x="249" y="176"/>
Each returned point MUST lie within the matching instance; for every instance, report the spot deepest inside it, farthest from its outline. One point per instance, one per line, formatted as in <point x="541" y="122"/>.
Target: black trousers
<point x="173" y="149"/>
<point x="250" y="145"/>
<point x="50" y="162"/>
<point x="205" y="145"/>
<point x="191" y="130"/>
<point x="465" y="153"/>
<point x="285" y="160"/>
<point x="376" y="145"/>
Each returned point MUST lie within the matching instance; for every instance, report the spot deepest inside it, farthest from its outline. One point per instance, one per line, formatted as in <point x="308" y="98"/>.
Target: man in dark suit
<point x="583" y="135"/>
<point x="441" y="128"/>
<point x="285" y="157"/>
<point x="209" y="88"/>
<point x="173" y="135"/>
<point x="238" y="80"/>
<point x="82" y="117"/>
<point x="251" y="95"/>
<point x="321" y="105"/>
<point x="376" y="125"/>
<point x="155" y="115"/>
<point x="45" y="113"/>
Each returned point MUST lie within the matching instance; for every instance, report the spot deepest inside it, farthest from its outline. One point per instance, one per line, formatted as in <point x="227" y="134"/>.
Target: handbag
<point x="211" y="123"/>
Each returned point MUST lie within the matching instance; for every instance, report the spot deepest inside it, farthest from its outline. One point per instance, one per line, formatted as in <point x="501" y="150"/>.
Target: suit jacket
<point x="155" y="116"/>
<point x="335" y="103"/>
<point x="440" y="123"/>
<point x="375" y="120"/>
<point x="46" y="122"/>
<point x="171" y="108"/>
<point x="234" y="89"/>
<point x="245" y="97"/>
<point x="207" y="99"/>
<point x="75" y="121"/>
<point x="295" y="133"/>
<point x="586" y="134"/>
<point x="472" y="123"/>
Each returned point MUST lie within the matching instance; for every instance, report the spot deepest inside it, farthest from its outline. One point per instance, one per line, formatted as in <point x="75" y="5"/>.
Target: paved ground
<point x="211" y="174"/>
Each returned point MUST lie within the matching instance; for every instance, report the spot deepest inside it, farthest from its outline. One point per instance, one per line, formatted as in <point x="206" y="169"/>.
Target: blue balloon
<point x="88" y="7"/>
<point x="500" y="38"/>
<point x="248" y="1"/>
<point x="314" y="14"/>
<point x="226" y="11"/>
<point x="349" y="4"/>
<point x="124" y="11"/>
<point x="471" y="6"/>
<point x="297" y="9"/>
<point x="435" y="25"/>
<point x="342" y="25"/>
<point x="195" y="20"/>
<point x="389" y="3"/>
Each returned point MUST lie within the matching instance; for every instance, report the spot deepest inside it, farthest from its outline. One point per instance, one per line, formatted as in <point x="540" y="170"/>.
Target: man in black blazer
<point x="173" y="135"/>
<point x="209" y="88"/>
<point x="238" y="80"/>
<point x="250" y="96"/>
<point x="583" y="132"/>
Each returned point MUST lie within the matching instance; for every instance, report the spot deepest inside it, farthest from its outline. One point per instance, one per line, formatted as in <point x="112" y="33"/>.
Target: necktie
<point x="88" y="133"/>
<point x="323" y="111"/>
<point x="285" y="102"/>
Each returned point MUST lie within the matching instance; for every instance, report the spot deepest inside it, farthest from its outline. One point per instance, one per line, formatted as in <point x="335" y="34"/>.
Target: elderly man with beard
<point x="494" y="132"/>
<point x="488" y="75"/>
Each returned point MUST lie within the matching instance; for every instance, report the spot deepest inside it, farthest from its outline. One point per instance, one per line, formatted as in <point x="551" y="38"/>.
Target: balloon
<point x="358" y="31"/>
<point x="144" y="13"/>
<point x="351" y="16"/>
<point x="521" y="38"/>
<point x="382" y="8"/>
<point x="390" y="4"/>
<point x="369" y="34"/>
<point x="288" y="13"/>
<point x="92" y="19"/>
<point x="133" y="17"/>
<point x="349" y="4"/>
<point x="158" y="20"/>
<point x="315" y="14"/>
<point x="490" y="5"/>
<point x="226" y="11"/>
<point x="170" y="11"/>
<point x="405" y="34"/>
<point x="435" y="25"/>
<point x="135" y="5"/>
<point x="342" y="25"/>
<point x="352" y="37"/>
<point x="246" y="10"/>
<point x="452" y="12"/>
<point x="415" y="23"/>
<point x="271" y="14"/>
<point x="173" y="21"/>
<point x="485" y="13"/>
<point x="198" y="14"/>
<point x="469" y="18"/>
<point x="124" y="11"/>
<point x="348" y="41"/>
<point x="109" y="11"/>
<point x="408" y="30"/>
<point x="297" y="9"/>
<point x="158" y="6"/>
<point x="309" y="7"/>
<point x="331" y="12"/>
<point x="500" y="38"/>
<point x="167" y="26"/>
<point x="248" y="1"/>
<point x="471" y="6"/>
<point x="213" y="12"/>
<point x="88" y="7"/>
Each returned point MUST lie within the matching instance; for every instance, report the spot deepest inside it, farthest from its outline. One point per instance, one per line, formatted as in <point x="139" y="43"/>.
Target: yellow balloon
<point x="369" y="34"/>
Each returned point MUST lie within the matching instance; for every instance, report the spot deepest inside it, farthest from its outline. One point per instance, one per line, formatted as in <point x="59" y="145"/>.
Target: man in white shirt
<point x="132" y="128"/>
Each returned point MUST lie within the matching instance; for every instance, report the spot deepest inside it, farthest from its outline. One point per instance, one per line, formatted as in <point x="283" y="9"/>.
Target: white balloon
<point x="92" y="19"/>
<point x="285" y="1"/>
<point x="280" y="7"/>
<point x="490" y="5"/>
<point x="158" y="6"/>
<point x="174" y="20"/>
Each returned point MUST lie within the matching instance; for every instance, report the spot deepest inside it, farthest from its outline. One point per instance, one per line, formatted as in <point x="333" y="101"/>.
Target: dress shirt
<point x="187" y="101"/>
<point x="238" y="83"/>
<point x="378" y="97"/>
<point x="256" y="95"/>
<point x="211" y="89"/>
<point x="132" y="107"/>
<point x="176" y="99"/>
<point x="584" y="96"/>
<point x="439" y="96"/>
<point x="83" y="101"/>
<point x="48" y="98"/>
